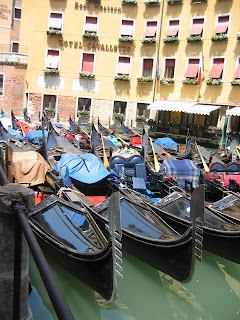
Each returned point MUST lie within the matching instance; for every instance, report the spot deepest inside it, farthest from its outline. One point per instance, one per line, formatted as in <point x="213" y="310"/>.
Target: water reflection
<point x="148" y="294"/>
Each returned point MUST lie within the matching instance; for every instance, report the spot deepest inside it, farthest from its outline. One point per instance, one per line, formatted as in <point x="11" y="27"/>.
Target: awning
<point x="217" y="68"/>
<point x="182" y="106"/>
<point x="205" y="109"/>
<point x="233" y="112"/>
<point x="127" y="28"/>
<point x="151" y="29"/>
<point x="197" y="27"/>
<point x="91" y="24"/>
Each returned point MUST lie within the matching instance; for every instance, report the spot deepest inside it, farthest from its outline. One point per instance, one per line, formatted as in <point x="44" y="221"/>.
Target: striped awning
<point x="183" y="106"/>
<point x="233" y="112"/>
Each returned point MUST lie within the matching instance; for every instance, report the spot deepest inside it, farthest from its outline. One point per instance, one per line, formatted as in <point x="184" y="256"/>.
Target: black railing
<point x="22" y="226"/>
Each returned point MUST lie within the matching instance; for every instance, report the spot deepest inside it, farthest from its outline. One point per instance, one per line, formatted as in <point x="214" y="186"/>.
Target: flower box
<point x="167" y="81"/>
<point x="145" y="79"/>
<point x="171" y="40"/>
<point x="150" y="40"/>
<point x="235" y="82"/>
<point x="214" y="82"/>
<point x="174" y="2"/>
<point x="131" y="2"/>
<point x="219" y="37"/>
<point x="122" y="77"/>
<point x="194" y="39"/>
<point x="51" y="72"/>
<point x="53" y="32"/>
<point x="141" y="118"/>
<point x="126" y="39"/>
<point x="87" y="75"/>
<point x="149" y="3"/>
<point x="90" y="35"/>
<point x="49" y="111"/>
<point x="83" y="113"/>
<point x="118" y="116"/>
<point x="238" y="36"/>
<point x="191" y="81"/>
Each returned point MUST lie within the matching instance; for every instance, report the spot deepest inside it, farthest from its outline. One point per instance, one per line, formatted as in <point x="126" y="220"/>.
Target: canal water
<point x="145" y="293"/>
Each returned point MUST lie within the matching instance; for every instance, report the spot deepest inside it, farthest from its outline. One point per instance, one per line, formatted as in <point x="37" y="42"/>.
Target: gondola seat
<point x="217" y="167"/>
<point x="233" y="167"/>
<point x="138" y="184"/>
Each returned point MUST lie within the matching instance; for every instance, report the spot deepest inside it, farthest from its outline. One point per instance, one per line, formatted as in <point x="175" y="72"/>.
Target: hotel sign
<point x="93" y="46"/>
<point x="97" y="5"/>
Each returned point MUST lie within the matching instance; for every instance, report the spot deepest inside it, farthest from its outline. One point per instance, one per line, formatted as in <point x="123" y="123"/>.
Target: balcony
<point x="8" y="57"/>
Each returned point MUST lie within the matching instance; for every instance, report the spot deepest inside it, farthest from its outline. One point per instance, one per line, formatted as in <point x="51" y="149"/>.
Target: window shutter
<point x="124" y="65"/>
<point x="87" y="63"/>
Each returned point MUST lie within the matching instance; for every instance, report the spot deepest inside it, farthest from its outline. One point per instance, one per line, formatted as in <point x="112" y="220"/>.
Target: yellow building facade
<point x="116" y="57"/>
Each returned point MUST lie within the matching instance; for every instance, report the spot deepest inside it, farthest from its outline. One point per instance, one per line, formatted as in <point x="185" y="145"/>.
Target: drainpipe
<point x="13" y="12"/>
<point x="159" y="38"/>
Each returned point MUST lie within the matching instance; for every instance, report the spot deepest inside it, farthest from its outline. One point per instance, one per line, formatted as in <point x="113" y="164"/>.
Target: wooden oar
<point x="23" y="133"/>
<point x="237" y="149"/>
<point x="136" y="132"/>
<point x="62" y="150"/>
<point x="9" y="164"/>
<point x="156" y="163"/>
<point x="85" y="132"/>
<point x="203" y="161"/>
<point x="105" y="159"/>
<point x="119" y="138"/>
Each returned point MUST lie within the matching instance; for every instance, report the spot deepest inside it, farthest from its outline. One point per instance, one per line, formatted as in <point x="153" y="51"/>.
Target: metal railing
<point x="22" y="227"/>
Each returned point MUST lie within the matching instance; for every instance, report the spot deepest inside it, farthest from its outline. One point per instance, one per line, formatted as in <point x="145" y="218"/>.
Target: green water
<point x="147" y="294"/>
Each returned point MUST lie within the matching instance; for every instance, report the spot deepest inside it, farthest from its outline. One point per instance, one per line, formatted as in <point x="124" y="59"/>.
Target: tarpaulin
<point x="87" y="169"/>
<point x="36" y="136"/>
<point x="167" y="143"/>
<point x="184" y="170"/>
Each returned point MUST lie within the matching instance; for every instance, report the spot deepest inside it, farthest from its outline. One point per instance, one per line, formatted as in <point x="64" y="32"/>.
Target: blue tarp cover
<point x="88" y="171"/>
<point x="167" y="143"/>
<point x="15" y="133"/>
<point x="36" y="135"/>
<point x="183" y="169"/>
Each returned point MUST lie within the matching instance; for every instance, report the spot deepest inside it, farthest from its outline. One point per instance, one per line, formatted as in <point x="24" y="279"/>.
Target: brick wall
<point x="14" y="89"/>
<point x="66" y="107"/>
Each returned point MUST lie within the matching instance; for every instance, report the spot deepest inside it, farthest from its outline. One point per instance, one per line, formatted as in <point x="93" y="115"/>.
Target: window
<point x="55" y="21"/>
<point x="216" y="71"/>
<point x="237" y="72"/>
<point x="173" y="28"/>
<point x="15" y="47"/>
<point x="52" y="61"/>
<point x="222" y="25"/>
<point x="91" y="24"/>
<point x="120" y="107"/>
<point x="127" y="28"/>
<point x="17" y="13"/>
<point x="151" y="29"/>
<point x="88" y="62"/>
<point x="142" y="109"/>
<point x="147" y="67"/>
<point x="197" y="27"/>
<point x="169" y="68"/>
<point x="192" y="68"/>
<point x="84" y="103"/>
<point x="1" y="84"/>
<point x="49" y="102"/>
<point x="123" y="66"/>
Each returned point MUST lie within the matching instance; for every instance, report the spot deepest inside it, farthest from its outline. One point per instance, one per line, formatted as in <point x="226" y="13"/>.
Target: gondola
<point x="222" y="220"/>
<point x="221" y="233"/>
<point x="145" y="234"/>
<point x="69" y="234"/>
<point x="114" y="135"/>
